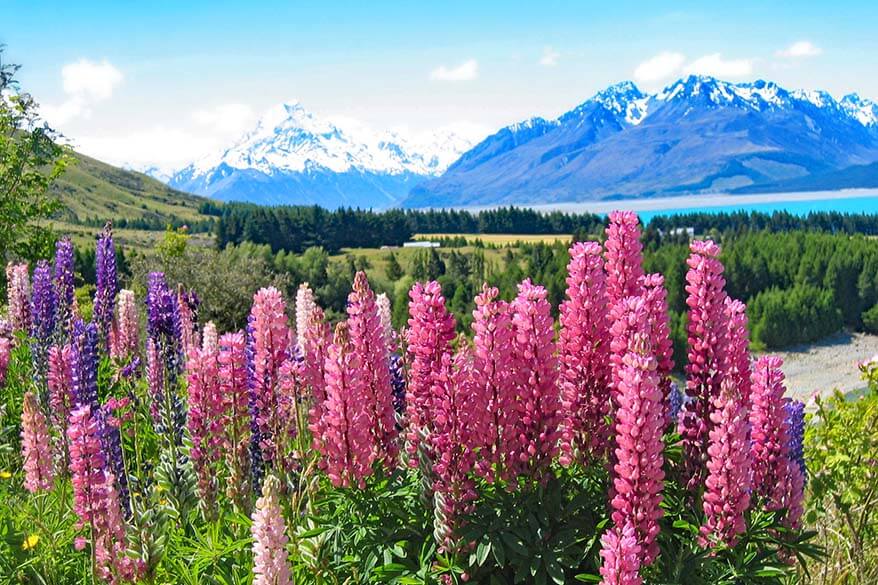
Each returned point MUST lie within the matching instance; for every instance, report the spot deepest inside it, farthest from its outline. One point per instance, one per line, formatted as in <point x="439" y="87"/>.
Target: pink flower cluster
<point x="124" y="334"/>
<point x="206" y="420"/>
<point x="620" y="555"/>
<point x="232" y="374"/>
<point x="270" y="563"/>
<point x="36" y="447"/>
<point x="624" y="256"/>
<point x="18" y="294"/>
<point x="305" y="306"/>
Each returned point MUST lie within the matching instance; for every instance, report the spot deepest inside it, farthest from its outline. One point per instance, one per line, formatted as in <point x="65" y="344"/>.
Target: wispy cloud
<point x="716" y="66"/>
<point x="799" y="49"/>
<point x="466" y="71"/>
<point x="550" y="57"/>
<point x="226" y="118"/>
<point x="660" y="67"/>
<point x="85" y="83"/>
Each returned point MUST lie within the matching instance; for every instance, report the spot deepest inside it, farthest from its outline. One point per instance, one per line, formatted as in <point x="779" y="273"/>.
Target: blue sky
<point x="165" y="83"/>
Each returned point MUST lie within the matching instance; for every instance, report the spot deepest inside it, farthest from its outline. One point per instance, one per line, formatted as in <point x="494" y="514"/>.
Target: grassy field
<point x="500" y="239"/>
<point x="377" y="258"/>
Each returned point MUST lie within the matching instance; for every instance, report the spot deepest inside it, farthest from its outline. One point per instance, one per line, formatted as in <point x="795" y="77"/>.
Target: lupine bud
<point x="493" y="378"/>
<point x="727" y="487"/>
<point x="205" y="421"/>
<point x="708" y="333"/>
<point x="36" y="449"/>
<point x="125" y="338"/>
<point x="270" y="564"/>
<point x="18" y="296"/>
<point x="584" y="351"/>
<point x="369" y="340"/>
<point x="624" y="256"/>
<point x="344" y="440"/>
<point x="305" y="305"/>
<point x="620" y="557"/>
<point x="640" y="417"/>
<point x="233" y="386"/>
<point x="536" y="380"/>
<point x="64" y="286"/>
<point x="429" y="336"/>
<point x="106" y="283"/>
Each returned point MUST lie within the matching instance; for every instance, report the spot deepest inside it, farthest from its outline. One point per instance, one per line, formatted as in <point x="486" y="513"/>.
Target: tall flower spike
<point x="640" y="418"/>
<point x="64" y="286"/>
<point x="727" y="487"/>
<point x="233" y="386"/>
<point x="620" y="557"/>
<point x="769" y="433"/>
<point x="385" y="316"/>
<point x="624" y="256"/>
<point x="536" y="380"/>
<point x="708" y="334"/>
<point x="493" y="378"/>
<point x="270" y="563"/>
<point x="317" y="338"/>
<point x="736" y="356"/>
<point x="205" y="421"/>
<point x="369" y="341"/>
<point x="305" y="306"/>
<point x="164" y="358"/>
<point x="188" y="303"/>
<point x="209" y="338"/>
<point x="84" y="357"/>
<point x="60" y="383"/>
<point x="43" y="303"/>
<point x="429" y="336"/>
<point x="344" y="441"/>
<point x="583" y="350"/>
<point x="5" y="354"/>
<point x="36" y="448"/>
<point x="125" y="337"/>
<point x="18" y="296"/>
<point x="269" y="342"/>
<point x="106" y="283"/>
<point x="656" y="298"/>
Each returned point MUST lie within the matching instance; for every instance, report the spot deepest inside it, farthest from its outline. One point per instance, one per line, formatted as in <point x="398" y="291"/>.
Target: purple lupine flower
<point x="42" y="323"/>
<point x="675" y="402"/>
<point x="164" y="336"/>
<point x="397" y="382"/>
<point x="85" y="365"/>
<point x="106" y="283"/>
<point x="64" y="287"/>
<point x="257" y="465"/>
<point x="796" y="420"/>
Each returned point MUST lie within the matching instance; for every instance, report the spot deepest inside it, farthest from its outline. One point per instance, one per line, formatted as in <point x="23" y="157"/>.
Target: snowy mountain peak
<point x="863" y="110"/>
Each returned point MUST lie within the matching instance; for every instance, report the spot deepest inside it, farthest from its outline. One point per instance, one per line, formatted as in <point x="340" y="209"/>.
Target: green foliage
<point x="800" y="314"/>
<point x="173" y="244"/>
<point x="870" y="320"/>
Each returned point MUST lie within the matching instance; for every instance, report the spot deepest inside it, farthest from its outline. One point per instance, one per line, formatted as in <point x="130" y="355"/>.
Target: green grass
<point x="405" y="256"/>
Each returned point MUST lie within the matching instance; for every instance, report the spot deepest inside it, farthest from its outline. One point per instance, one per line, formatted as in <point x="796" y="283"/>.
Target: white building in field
<point x="421" y="244"/>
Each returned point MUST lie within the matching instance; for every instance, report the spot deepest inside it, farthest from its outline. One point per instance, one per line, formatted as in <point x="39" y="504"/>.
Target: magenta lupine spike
<point x="539" y="398"/>
<point x="493" y="378"/>
<point x="233" y="387"/>
<point x="429" y="336"/>
<point x="5" y="354"/>
<point x="620" y="557"/>
<point x="305" y="305"/>
<point x="583" y="356"/>
<point x="727" y="487"/>
<point x="36" y="447"/>
<point x="369" y="341"/>
<point x="270" y="563"/>
<point x="111" y="550"/>
<point x="769" y="433"/>
<point x="124" y="335"/>
<point x="737" y="352"/>
<point x="205" y="421"/>
<point x="460" y="419"/>
<point x="209" y="338"/>
<point x="60" y="383"/>
<point x="640" y="417"/>
<point x="656" y="297"/>
<point x="317" y="338"/>
<point x="344" y="441"/>
<point x="270" y="344"/>
<point x="18" y="296"/>
<point x="708" y="336"/>
<point x="624" y="256"/>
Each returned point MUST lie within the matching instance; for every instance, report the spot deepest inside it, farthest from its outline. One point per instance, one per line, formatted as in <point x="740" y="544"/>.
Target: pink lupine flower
<point x="656" y="298"/>
<point x="708" y="333"/>
<point x="205" y="420"/>
<point x="270" y="563"/>
<point x="429" y="336"/>
<point x="737" y="353"/>
<point x="124" y="335"/>
<point x="769" y="433"/>
<point x="493" y="378"/>
<point x="459" y="413"/>
<point x="624" y="256"/>
<point x="620" y="557"/>
<point x="209" y="338"/>
<point x="5" y="354"/>
<point x="18" y="296"/>
<point x="369" y="341"/>
<point x="727" y="487"/>
<point x="305" y="305"/>
<point x="60" y="383"/>
<point x="317" y="338"/>
<point x="233" y="389"/>
<point x="539" y="398"/>
<point x="638" y="478"/>
<point x="36" y="448"/>
<point x="584" y="351"/>
<point x="386" y="317"/>
<point x="111" y="556"/>
<point x="270" y="343"/>
<point x="344" y="440"/>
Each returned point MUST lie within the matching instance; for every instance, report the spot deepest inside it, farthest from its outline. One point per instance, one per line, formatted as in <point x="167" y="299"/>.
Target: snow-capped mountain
<point x="296" y="157"/>
<point x="698" y="134"/>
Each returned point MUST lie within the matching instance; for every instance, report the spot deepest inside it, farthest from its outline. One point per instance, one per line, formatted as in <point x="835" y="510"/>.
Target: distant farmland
<point x="500" y="239"/>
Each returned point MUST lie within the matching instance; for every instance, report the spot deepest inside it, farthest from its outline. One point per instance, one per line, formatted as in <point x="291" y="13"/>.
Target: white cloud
<point x="85" y="83"/>
<point x="229" y="119"/>
<point x="466" y="71"/>
<point x="550" y="57"/>
<point x="160" y="146"/>
<point x="800" y="49"/>
<point x="660" y="67"/>
<point x="714" y="65"/>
